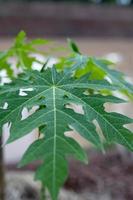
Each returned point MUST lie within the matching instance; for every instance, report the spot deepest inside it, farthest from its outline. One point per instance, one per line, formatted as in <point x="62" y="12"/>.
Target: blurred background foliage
<point x="119" y="2"/>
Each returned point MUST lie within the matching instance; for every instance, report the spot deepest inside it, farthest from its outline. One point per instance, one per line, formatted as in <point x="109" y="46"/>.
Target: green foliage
<point x="77" y="80"/>
<point x="99" y="69"/>
<point x="22" y="51"/>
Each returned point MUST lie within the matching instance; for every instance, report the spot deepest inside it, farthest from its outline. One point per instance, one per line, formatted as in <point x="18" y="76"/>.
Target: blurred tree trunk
<point x="2" y="183"/>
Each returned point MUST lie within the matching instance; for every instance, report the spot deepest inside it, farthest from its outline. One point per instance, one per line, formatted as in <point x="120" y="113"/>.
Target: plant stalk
<point x="43" y="193"/>
<point x="2" y="181"/>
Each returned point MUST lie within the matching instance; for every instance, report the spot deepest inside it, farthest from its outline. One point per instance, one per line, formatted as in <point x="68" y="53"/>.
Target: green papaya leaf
<point x="52" y="93"/>
<point x="23" y="52"/>
<point x="115" y="76"/>
<point x="99" y="69"/>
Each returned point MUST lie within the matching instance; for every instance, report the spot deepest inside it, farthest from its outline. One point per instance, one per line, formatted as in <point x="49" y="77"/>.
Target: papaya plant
<point x="53" y="91"/>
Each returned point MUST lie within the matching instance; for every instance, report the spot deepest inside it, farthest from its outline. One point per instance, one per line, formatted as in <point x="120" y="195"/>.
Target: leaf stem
<point x="43" y="193"/>
<point x="2" y="181"/>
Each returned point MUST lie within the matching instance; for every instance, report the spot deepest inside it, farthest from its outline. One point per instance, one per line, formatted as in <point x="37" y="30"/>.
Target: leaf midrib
<point x="54" y="147"/>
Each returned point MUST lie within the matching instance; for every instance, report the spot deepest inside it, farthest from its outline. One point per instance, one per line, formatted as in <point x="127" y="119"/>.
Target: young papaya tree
<point x="76" y="80"/>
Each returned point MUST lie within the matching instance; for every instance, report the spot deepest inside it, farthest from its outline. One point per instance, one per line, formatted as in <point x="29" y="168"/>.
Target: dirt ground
<point x="106" y="174"/>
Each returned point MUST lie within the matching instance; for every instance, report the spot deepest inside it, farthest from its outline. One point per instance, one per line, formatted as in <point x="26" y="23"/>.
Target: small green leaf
<point x="20" y="38"/>
<point x="73" y="46"/>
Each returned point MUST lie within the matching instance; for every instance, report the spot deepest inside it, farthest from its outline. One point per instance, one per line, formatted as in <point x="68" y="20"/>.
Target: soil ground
<point x="105" y="174"/>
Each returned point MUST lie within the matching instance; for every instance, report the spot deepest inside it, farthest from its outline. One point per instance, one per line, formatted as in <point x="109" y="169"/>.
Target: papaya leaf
<point x="53" y="92"/>
<point x="99" y="70"/>
<point x="23" y="52"/>
<point x="110" y="123"/>
<point x="115" y="76"/>
<point x="82" y="64"/>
